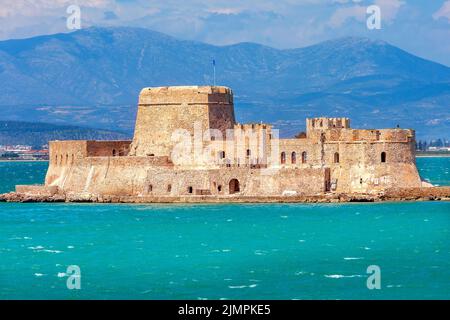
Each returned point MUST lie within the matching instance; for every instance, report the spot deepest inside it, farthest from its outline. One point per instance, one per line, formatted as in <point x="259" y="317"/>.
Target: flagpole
<point x="214" y="70"/>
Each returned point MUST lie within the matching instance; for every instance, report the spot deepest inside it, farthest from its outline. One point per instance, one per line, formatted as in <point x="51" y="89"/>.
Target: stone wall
<point x="167" y="110"/>
<point x="356" y="166"/>
<point x="108" y="148"/>
<point x="157" y="176"/>
<point x="65" y="154"/>
<point x="39" y="190"/>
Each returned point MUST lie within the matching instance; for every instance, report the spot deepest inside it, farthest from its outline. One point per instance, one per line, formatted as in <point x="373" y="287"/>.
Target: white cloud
<point x="443" y="12"/>
<point x="44" y="7"/>
<point x="224" y="10"/>
<point x="341" y="15"/>
<point x="389" y="9"/>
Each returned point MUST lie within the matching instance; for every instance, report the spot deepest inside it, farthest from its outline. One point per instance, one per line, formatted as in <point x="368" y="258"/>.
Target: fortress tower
<point x="164" y="110"/>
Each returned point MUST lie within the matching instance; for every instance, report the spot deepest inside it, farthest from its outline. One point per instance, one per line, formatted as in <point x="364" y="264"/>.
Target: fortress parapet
<point x="323" y="123"/>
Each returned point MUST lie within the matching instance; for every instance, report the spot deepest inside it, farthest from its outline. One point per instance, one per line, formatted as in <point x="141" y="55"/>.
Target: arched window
<point x="150" y="188"/>
<point x="219" y="188"/>
<point x="114" y="152"/>
<point x="190" y="189"/>
<point x="169" y="188"/>
<point x="222" y="155"/>
<point x="67" y="158"/>
<point x="304" y="157"/>
<point x="56" y="159"/>
<point x="61" y="160"/>
<point x="248" y="152"/>
<point x="336" y="157"/>
<point x="283" y="157"/>
<point x="293" y="157"/>
<point x="383" y="156"/>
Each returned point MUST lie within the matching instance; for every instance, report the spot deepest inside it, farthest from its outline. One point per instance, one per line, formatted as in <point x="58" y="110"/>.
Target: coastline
<point x="395" y="194"/>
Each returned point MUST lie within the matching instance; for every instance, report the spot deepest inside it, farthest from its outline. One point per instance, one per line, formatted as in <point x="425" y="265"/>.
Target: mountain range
<point x="92" y="77"/>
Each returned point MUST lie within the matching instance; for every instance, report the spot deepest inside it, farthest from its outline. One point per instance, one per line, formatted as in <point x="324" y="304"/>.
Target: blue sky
<point x="421" y="27"/>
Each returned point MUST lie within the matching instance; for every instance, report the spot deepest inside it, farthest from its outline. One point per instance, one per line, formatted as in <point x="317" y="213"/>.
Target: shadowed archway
<point x="234" y="186"/>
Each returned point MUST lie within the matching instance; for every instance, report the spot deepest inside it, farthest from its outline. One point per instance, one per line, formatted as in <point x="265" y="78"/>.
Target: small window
<point x="336" y="157"/>
<point x="293" y="157"/>
<point x="114" y="152"/>
<point x="219" y="188"/>
<point x="169" y="188"/>
<point x="248" y="152"/>
<point x="283" y="157"/>
<point x="56" y="159"/>
<point x="150" y="188"/>
<point x="383" y="157"/>
<point x="222" y="154"/>
<point x="190" y="189"/>
<point x="304" y="157"/>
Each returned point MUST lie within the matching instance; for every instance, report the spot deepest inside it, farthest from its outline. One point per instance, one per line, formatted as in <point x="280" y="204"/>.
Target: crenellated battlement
<point x="324" y="123"/>
<point x="186" y="95"/>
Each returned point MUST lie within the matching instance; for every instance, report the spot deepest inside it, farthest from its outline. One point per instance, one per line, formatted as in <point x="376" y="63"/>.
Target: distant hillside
<point x="38" y="134"/>
<point x="93" y="76"/>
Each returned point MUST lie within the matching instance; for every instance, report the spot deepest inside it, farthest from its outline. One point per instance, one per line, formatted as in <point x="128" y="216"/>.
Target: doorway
<point x="234" y="186"/>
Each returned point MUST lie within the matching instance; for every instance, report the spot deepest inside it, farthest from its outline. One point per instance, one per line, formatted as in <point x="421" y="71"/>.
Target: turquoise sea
<point x="276" y="251"/>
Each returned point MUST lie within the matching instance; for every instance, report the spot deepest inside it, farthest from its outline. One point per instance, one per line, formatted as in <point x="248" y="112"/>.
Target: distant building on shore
<point x="22" y="152"/>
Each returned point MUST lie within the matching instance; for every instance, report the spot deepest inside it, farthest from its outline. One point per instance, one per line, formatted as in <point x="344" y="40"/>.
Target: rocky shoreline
<point x="398" y="194"/>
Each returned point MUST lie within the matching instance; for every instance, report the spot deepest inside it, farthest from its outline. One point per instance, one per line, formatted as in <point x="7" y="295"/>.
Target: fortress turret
<point x="163" y="110"/>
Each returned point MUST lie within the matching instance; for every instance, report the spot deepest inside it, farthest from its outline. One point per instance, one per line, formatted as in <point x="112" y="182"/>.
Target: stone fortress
<point x="187" y="146"/>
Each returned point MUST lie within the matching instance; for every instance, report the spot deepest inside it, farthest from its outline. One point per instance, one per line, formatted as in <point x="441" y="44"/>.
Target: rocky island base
<point x="394" y="194"/>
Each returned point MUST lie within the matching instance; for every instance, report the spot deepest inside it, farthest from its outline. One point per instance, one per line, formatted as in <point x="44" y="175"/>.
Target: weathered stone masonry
<point x="332" y="158"/>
